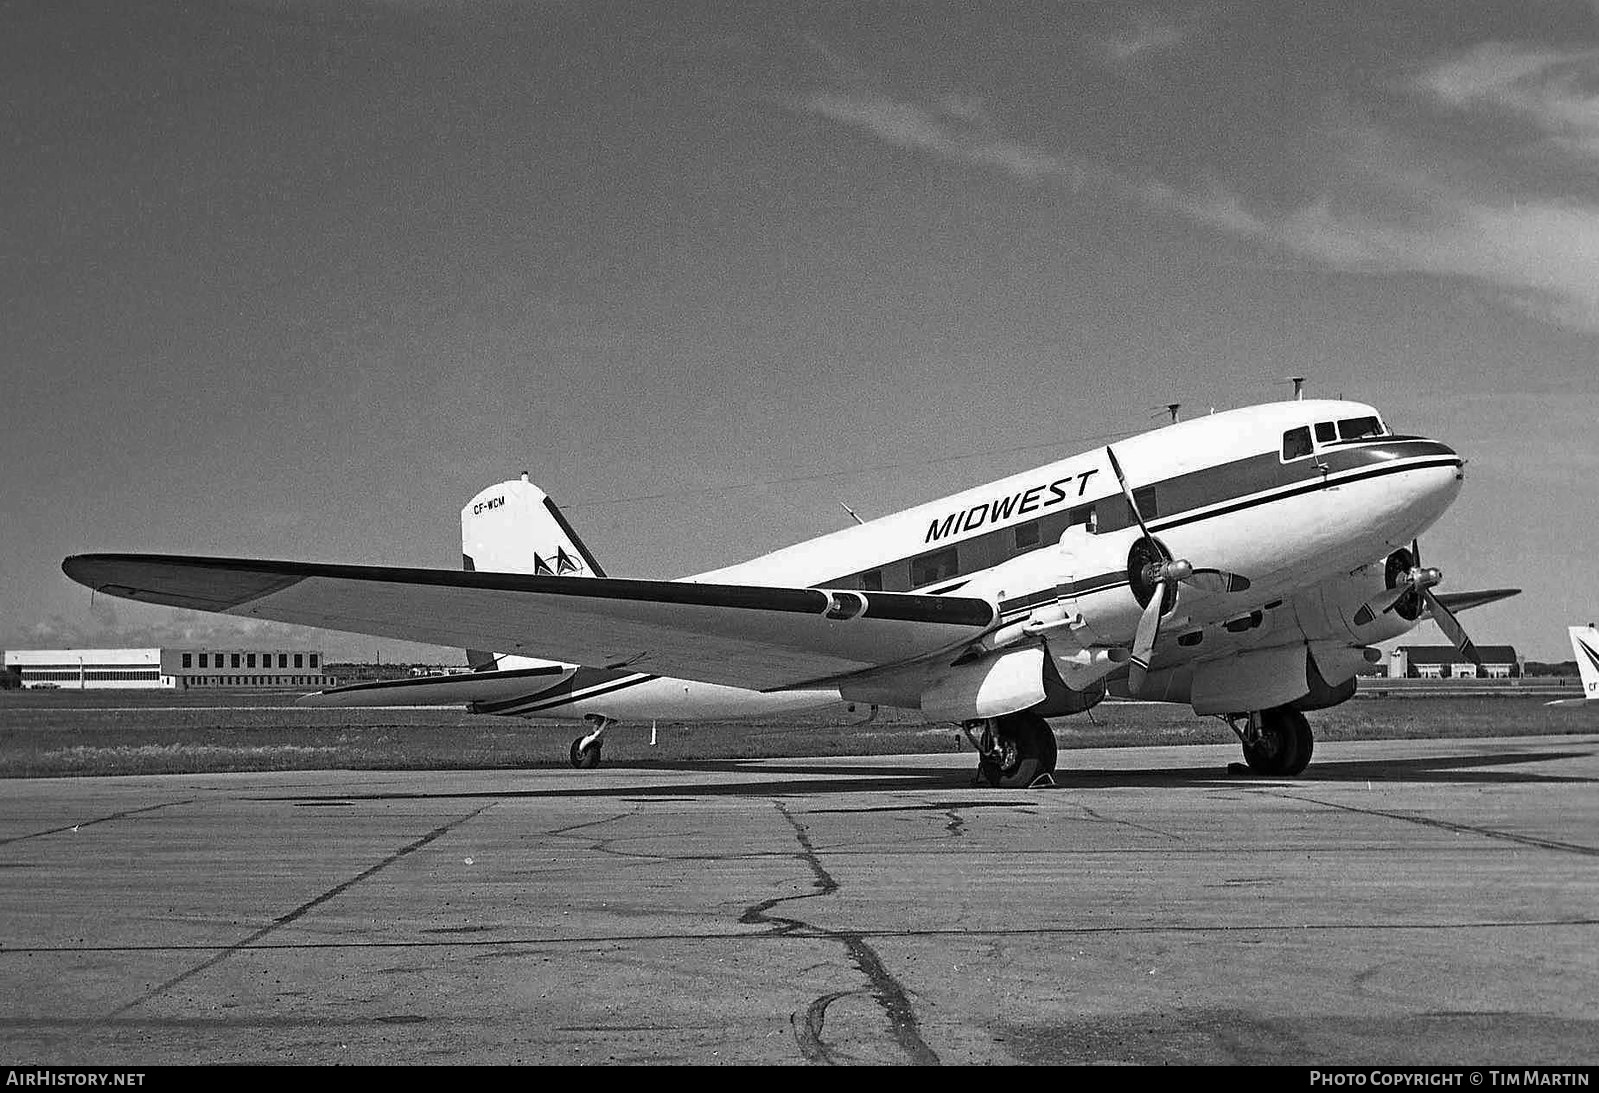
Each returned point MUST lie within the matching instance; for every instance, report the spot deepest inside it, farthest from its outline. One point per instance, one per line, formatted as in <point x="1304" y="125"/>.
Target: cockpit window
<point x="1354" y="428"/>
<point x="1326" y="432"/>
<point x="1296" y="443"/>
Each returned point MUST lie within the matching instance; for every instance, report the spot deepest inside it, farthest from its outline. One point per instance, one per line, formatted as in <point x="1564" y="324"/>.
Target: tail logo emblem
<point x="564" y="563"/>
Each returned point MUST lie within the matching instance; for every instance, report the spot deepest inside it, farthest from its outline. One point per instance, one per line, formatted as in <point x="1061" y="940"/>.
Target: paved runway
<point x="1403" y="902"/>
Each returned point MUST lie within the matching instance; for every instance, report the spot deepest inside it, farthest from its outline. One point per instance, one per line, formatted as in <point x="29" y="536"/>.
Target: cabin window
<point x="872" y="580"/>
<point x="1148" y="507"/>
<point x="938" y="566"/>
<point x="1296" y="443"/>
<point x="1354" y="428"/>
<point x="1326" y="432"/>
<point x="1027" y="535"/>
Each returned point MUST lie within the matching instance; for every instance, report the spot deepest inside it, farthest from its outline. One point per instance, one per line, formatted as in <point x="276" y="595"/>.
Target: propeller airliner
<point x="1244" y="563"/>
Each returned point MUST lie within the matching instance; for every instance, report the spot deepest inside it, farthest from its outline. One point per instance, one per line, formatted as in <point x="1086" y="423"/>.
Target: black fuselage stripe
<point x="1106" y="581"/>
<point x="1318" y="483"/>
<point x="460" y="679"/>
<point x="542" y="702"/>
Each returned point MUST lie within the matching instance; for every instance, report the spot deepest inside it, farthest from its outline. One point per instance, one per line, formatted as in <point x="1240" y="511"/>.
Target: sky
<point x="296" y="278"/>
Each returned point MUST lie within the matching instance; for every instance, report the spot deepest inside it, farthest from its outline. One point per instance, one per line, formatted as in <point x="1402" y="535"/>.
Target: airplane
<point x="1585" y="643"/>
<point x="1243" y="563"/>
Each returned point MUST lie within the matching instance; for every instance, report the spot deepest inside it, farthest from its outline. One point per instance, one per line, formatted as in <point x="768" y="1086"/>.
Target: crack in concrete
<point x="98" y="820"/>
<point x="887" y="991"/>
<point x="296" y="913"/>
<point x="1447" y="825"/>
<point x="796" y="928"/>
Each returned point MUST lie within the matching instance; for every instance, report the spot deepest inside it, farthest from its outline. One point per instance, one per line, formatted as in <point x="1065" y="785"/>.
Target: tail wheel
<point x="1283" y="745"/>
<point x="1024" y="748"/>
<point x="585" y="758"/>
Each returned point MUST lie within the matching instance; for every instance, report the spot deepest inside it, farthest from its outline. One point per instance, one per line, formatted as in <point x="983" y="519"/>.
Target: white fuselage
<point x="1305" y="499"/>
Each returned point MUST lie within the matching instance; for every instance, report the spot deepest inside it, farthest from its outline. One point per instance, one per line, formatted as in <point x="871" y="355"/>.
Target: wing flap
<point x="740" y="635"/>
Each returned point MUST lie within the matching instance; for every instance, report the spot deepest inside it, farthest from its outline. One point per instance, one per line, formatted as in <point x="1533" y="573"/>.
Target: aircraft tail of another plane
<point x="1585" y="643"/>
<point x="514" y="527"/>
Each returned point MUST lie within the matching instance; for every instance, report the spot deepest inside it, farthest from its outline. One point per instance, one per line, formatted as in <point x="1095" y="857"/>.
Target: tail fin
<point x="1585" y="642"/>
<point x="514" y="527"/>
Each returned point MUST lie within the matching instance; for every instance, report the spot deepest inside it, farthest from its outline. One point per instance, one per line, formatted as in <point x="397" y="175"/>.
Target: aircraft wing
<point x="762" y="638"/>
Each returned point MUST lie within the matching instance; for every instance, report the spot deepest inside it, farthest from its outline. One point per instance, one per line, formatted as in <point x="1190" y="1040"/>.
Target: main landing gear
<point x="1277" y="742"/>
<point x="586" y="749"/>
<point x="1014" y="751"/>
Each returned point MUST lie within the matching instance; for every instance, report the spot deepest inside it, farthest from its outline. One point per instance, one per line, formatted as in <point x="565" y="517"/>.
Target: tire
<point x="585" y="758"/>
<point x="1276" y="755"/>
<point x="1304" y="740"/>
<point x="1029" y="751"/>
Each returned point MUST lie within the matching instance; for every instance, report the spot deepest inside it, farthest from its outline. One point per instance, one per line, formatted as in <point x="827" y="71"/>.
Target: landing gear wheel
<point x="1020" y="750"/>
<point x="585" y="758"/>
<point x="1305" y="740"/>
<point x="1283" y="746"/>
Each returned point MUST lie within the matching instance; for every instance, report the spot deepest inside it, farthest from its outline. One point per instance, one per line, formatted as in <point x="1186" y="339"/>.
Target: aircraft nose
<point x="1438" y="477"/>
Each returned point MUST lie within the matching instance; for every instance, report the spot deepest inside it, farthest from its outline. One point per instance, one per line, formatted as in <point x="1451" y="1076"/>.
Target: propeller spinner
<point x="1410" y="593"/>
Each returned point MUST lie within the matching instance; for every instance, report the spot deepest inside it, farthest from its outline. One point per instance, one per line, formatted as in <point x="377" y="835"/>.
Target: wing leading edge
<point x="758" y="637"/>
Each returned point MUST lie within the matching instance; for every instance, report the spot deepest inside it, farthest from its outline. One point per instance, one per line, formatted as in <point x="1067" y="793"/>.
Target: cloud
<point x="957" y="128"/>
<point x="1556" y="90"/>
<point x="1150" y="35"/>
<point x="105" y="629"/>
<point x="1540" y="256"/>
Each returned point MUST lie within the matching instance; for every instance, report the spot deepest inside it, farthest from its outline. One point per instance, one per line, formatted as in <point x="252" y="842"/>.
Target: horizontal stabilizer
<point x="1461" y="601"/>
<point x="463" y="689"/>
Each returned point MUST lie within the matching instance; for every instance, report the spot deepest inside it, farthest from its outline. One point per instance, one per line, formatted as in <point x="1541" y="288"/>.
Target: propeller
<point x="1151" y="565"/>
<point x="1410" y="593"/>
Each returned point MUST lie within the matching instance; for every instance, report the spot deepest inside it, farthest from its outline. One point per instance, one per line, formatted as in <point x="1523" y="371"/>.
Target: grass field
<point x="64" y="733"/>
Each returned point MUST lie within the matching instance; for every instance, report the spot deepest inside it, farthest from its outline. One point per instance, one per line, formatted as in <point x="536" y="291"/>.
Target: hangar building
<point x="172" y="669"/>
<point x="1444" y="662"/>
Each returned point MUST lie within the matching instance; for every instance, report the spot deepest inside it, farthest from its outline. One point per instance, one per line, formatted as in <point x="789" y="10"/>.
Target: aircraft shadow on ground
<point x="780" y="778"/>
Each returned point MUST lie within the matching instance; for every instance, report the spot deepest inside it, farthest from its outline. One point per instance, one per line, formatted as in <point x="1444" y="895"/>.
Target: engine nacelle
<point x="1306" y="677"/>
<point x="1108" y="615"/>
<point x="991" y="687"/>
<point x="1020" y="678"/>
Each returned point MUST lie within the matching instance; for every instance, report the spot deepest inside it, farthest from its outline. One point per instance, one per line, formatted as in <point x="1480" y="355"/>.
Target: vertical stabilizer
<point x="1585" y="643"/>
<point x="514" y="527"/>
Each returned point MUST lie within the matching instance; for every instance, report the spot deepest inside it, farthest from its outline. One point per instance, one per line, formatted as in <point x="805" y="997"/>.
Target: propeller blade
<point x="1217" y="580"/>
<point x="1451" y="627"/>
<point x="1144" y="641"/>
<point x="1382" y="604"/>
<point x="1127" y="492"/>
<point x="1206" y="580"/>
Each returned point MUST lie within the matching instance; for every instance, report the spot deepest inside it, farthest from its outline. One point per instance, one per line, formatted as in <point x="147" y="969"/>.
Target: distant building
<point x="1446" y="662"/>
<point x="172" y="669"/>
